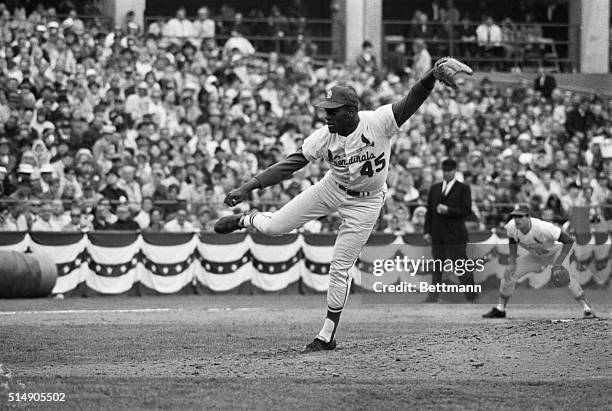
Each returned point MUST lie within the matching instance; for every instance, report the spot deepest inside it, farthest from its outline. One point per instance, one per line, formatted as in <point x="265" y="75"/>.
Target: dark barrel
<point x="26" y="275"/>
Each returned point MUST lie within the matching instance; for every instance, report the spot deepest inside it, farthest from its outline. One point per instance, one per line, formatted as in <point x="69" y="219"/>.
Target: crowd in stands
<point x="129" y="129"/>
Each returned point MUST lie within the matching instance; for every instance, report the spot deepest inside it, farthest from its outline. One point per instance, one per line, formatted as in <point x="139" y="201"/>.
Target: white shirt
<point x="446" y="187"/>
<point x="489" y="35"/>
<point x="359" y="161"/>
<point x="42" y="225"/>
<point x="540" y="240"/>
<point x="174" y="227"/>
<point x="178" y="28"/>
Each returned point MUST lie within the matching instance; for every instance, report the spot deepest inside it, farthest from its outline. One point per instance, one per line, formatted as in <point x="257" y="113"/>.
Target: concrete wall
<point x="117" y="9"/>
<point x="362" y="21"/>
<point x="594" y="36"/>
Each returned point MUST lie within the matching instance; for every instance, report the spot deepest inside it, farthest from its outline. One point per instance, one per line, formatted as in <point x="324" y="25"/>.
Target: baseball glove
<point x="560" y="276"/>
<point x="447" y="68"/>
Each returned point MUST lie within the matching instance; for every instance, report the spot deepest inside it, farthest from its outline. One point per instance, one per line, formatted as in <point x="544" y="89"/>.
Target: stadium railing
<point x="552" y="53"/>
<point x="316" y="31"/>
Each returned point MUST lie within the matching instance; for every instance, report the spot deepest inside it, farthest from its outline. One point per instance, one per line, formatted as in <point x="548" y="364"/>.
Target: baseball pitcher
<point x="547" y="244"/>
<point x="357" y="146"/>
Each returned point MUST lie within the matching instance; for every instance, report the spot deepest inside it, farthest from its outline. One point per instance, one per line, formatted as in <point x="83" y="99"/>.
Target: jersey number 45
<point x="368" y="169"/>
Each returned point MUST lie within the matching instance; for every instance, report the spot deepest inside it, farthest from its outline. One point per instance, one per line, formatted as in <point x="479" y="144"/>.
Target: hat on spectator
<point x="2" y="169"/>
<point x="524" y="137"/>
<point x="91" y="72"/>
<point x="25" y="168"/>
<point x="143" y="85"/>
<point x="46" y="168"/>
<point x="520" y="210"/>
<point x="41" y="27"/>
<point x="66" y="24"/>
<point x="108" y="129"/>
<point x="4" y="140"/>
<point x="414" y="162"/>
<point x="449" y="164"/>
<point x="47" y="125"/>
<point x="339" y="96"/>
<point x="53" y="25"/>
<point x="497" y="143"/>
<point x="214" y="112"/>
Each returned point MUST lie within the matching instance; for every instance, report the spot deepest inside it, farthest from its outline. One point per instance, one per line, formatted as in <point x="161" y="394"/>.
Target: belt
<point x="354" y="193"/>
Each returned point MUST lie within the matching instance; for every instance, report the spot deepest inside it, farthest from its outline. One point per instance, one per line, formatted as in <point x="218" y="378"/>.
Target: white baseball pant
<point x="359" y="214"/>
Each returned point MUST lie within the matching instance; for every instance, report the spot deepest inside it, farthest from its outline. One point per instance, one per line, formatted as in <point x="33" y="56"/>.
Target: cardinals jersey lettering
<point x="359" y="161"/>
<point x="539" y="240"/>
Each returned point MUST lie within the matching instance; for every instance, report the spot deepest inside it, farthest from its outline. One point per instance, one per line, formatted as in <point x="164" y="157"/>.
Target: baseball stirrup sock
<point x="331" y="323"/>
<point x="585" y="305"/>
<point x="247" y="219"/>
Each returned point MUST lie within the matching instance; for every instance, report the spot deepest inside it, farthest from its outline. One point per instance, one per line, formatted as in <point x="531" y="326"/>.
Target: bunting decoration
<point x="168" y="263"/>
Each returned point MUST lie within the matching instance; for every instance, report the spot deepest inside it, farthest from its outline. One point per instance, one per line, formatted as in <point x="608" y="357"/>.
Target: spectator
<point x="77" y="221"/>
<point x="157" y="223"/>
<point x="545" y="83"/>
<point x="421" y="60"/>
<point x="238" y="43"/>
<point x="204" y="26"/>
<point x="179" y="27"/>
<point x="112" y="191"/>
<point x="366" y="60"/>
<point x="489" y="39"/>
<point x="179" y="224"/>
<point x="44" y="222"/>
<point x="420" y="28"/>
<point x="397" y="61"/>
<point x="124" y="220"/>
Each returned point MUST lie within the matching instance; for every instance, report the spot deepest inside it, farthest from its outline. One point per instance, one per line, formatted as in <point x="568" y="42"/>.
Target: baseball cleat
<point x="588" y="314"/>
<point x="228" y="224"/>
<point x="495" y="313"/>
<point x="319" y="345"/>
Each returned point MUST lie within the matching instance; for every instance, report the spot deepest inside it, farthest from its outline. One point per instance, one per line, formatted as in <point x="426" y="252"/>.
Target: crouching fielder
<point x="540" y="239"/>
<point x="357" y="146"/>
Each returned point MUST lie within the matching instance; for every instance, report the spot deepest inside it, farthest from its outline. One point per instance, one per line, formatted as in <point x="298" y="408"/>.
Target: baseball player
<point x="547" y="244"/>
<point x="357" y="146"/>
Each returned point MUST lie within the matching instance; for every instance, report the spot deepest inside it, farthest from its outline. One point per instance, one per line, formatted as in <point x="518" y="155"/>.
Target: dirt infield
<point x="233" y="352"/>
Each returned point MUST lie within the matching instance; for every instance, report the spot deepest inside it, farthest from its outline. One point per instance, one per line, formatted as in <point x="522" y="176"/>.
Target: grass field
<point x="211" y="352"/>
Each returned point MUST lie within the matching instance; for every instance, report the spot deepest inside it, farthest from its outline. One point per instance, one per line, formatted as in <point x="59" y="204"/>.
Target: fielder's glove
<point x="560" y="276"/>
<point x="447" y="68"/>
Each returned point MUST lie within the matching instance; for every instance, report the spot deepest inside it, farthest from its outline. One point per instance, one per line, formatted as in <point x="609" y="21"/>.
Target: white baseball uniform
<point x="543" y="249"/>
<point x="354" y="186"/>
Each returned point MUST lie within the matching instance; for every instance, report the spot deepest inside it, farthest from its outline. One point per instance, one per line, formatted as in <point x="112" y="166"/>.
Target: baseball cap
<point x="339" y="96"/>
<point x="520" y="210"/>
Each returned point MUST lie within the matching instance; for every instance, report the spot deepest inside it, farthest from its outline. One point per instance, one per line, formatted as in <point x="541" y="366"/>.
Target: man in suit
<point x="544" y="82"/>
<point x="448" y="205"/>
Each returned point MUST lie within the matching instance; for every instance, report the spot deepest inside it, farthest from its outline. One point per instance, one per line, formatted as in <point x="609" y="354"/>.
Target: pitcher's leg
<point x="358" y="221"/>
<point x="308" y="205"/>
